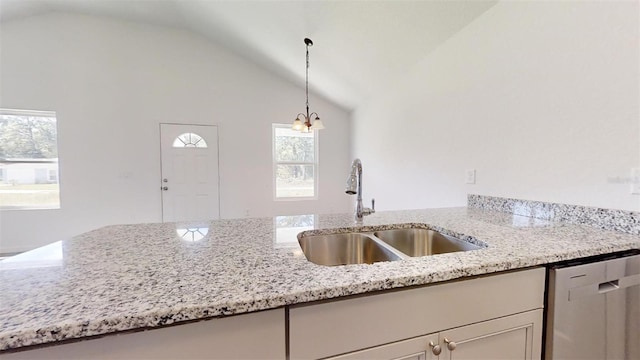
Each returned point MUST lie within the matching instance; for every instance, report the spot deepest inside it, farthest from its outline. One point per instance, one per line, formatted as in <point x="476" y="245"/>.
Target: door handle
<point x="451" y="345"/>
<point x="608" y="286"/>
<point x="164" y="188"/>
<point x="435" y="348"/>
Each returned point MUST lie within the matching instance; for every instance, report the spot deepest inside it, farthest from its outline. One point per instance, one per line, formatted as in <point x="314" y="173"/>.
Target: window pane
<point x="28" y="160"/>
<point x="294" y="146"/>
<point x="294" y="181"/>
<point x="189" y="140"/>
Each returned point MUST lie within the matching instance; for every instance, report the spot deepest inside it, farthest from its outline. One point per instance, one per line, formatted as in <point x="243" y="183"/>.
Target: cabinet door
<point x="412" y="349"/>
<point x="512" y="337"/>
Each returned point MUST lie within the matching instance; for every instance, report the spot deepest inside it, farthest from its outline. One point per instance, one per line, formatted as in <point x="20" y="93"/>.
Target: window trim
<point x="37" y="113"/>
<point x="315" y="163"/>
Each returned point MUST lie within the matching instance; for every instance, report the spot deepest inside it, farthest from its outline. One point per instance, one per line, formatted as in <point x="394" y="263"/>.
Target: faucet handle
<point x="366" y="210"/>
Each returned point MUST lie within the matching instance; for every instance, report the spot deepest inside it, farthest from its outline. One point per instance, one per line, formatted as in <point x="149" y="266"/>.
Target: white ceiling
<point x="359" y="46"/>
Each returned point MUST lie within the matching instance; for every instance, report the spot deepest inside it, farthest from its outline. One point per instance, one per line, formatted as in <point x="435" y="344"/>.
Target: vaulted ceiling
<point x="359" y="46"/>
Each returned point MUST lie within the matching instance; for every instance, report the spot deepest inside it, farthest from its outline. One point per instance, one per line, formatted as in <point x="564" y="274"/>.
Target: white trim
<point x="18" y="112"/>
<point x="315" y="164"/>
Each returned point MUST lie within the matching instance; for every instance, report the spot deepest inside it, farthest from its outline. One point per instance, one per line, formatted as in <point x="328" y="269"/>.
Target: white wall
<point x="112" y="83"/>
<point x="541" y="98"/>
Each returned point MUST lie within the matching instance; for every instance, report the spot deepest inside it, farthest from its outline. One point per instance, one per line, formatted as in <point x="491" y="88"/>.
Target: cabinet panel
<point x="510" y="338"/>
<point x="341" y="326"/>
<point x="412" y="349"/>
<point x="258" y="335"/>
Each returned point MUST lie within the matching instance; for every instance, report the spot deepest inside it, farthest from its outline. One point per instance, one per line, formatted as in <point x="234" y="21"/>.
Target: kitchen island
<point x="127" y="277"/>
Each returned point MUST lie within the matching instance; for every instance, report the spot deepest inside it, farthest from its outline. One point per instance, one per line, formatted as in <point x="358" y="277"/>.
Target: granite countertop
<point x="126" y="277"/>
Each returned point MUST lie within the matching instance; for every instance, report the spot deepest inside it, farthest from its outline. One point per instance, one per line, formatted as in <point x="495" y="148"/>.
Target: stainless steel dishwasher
<point x="593" y="310"/>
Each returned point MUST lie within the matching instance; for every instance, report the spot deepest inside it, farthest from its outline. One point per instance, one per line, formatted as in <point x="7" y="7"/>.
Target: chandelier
<point x="303" y="121"/>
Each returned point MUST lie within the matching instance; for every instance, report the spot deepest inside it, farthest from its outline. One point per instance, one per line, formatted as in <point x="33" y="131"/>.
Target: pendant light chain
<point x="307" y="80"/>
<point x="303" y="122"/>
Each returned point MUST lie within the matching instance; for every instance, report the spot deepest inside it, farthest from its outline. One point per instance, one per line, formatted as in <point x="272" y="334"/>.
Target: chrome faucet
<point x="354" y="186"/>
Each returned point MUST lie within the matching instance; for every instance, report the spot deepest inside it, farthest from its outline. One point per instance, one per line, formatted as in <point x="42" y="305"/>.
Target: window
<point x="189" y="140"/>
<point x="53" y="175"/>
<point x="295" y="163"/>
<point x="29" y="160"/>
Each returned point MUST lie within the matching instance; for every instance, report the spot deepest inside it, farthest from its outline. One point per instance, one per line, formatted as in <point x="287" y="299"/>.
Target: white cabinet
<point x="508" y="338"/>
<point x="505" y="310"/>
<point x="515" y="337"/>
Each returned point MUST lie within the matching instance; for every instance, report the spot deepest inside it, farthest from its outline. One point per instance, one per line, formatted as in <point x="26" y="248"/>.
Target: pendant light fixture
<point x="303" y="121"/>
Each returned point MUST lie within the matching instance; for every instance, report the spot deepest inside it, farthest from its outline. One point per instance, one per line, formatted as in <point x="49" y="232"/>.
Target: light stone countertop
<point x="126" y="277"/>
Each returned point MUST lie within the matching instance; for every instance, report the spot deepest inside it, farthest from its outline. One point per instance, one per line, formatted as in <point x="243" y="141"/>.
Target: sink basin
<point x="343" y="249"/>
<point x="422" y="242"/>
<point x="383" y="245"/>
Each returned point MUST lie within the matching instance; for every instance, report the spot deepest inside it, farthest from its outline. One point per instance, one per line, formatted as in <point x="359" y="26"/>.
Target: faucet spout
<point x="355" y="178"/>
<point x="354" y="187"/>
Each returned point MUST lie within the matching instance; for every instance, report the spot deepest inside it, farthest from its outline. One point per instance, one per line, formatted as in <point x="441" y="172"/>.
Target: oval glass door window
<point x="189" y="140"/>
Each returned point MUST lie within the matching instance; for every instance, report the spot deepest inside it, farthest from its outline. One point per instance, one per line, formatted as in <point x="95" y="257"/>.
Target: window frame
<point x="315" y="164"/>
<point x="36" y="113"/>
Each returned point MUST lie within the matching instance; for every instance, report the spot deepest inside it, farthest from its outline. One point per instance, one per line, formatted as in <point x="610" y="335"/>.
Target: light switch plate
<point x="470" y="176"/>
<point x="635" y="181"/>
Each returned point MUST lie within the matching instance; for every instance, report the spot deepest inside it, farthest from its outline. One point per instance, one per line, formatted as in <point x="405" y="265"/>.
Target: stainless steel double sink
<point x="375" y="246"/>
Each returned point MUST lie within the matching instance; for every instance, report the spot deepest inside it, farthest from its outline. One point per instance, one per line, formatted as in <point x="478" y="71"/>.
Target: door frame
<point x="217" y="162"/>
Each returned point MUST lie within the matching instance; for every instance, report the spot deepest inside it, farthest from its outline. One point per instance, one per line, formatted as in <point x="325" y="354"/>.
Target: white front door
<point x="189" y="182"/>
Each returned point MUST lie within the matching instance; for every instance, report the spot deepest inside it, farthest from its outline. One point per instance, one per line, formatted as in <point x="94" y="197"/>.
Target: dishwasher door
<point x="594" y="310"/>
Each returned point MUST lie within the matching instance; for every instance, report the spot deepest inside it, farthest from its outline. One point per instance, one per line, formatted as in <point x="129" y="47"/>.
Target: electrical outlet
<point x="635" y="181"/>
<point x="470" y="176"/>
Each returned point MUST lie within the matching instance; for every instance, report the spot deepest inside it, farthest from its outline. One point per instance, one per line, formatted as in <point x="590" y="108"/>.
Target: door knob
<point x="451" y="345"/>
<point x="165" y="188"/>
<point x="165" y="180"/>
<point x="435" y="349"/>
